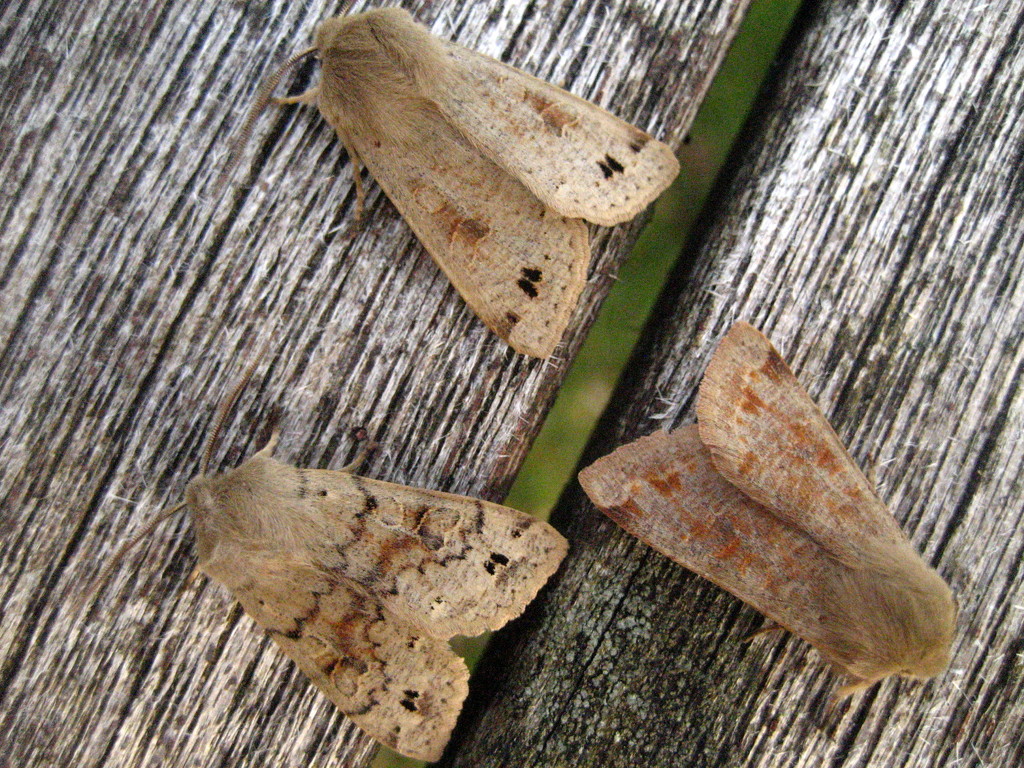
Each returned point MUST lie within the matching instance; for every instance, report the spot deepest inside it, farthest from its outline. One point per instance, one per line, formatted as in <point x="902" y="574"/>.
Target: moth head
<point x="198" y="496"/>
<point x="933" y="625"/>
<point x="896" y="621"/>
<point x="382" y="24"/>
<point x="201" y="503"/>
<point x="329" y="32"/>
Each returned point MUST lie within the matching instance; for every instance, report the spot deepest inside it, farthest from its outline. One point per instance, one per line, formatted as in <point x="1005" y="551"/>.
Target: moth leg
<point x="197" y="573"/>
<point x="357" y="175"/>
<point x="851" y="688"/>
<point x="309" y="97"/>
<point x="769" y="627"/>
<point x="268" y="449"/>
<point x="353" y="465"/>
<point x="872" y="475"/>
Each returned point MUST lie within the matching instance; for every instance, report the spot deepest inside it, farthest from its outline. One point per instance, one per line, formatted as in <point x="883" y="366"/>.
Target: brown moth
<point x="362" y="582"/>
<point x="494" y="170"/>
<point x="761" y="498"/>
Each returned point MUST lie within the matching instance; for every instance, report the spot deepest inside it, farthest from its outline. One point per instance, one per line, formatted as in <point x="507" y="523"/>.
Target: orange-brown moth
<point x="761" y="498"/>
<point x="494" y="170"/>
<point x="362" y="582"/>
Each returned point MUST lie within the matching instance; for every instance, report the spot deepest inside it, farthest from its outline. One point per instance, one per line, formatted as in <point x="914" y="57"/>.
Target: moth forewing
<point x="362" y="582"/>
<point x="768" y="438"/>
<point x="447" y="564"/>
<point x="577" y="158"/>
<point x="493" y="169"/>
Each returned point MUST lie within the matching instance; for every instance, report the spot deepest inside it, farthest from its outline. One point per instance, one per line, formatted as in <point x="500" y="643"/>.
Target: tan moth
<point x="494" y="170"/>
<point x="362" y="582"/>
<point x="761" y="497"/>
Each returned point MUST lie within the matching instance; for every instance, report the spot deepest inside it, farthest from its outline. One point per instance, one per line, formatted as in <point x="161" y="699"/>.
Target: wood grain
<point x="134" y="293"/>
<point x="872" y="228"/>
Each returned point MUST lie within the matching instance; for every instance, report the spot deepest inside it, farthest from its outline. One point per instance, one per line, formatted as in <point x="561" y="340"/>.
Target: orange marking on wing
<point x="828" y="461"/>
<point x="750" y="402"/>
<point x="734" y="552"/>
<point x="775" y="367"/>
<point x="747" y="463"/>
<point x="392" y="549"/>
<point x="668" y="486"/>
<point x="554" y="117"/>
<point x="471" y="231"/>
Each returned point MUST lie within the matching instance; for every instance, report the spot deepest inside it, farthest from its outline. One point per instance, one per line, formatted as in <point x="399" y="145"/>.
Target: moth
<point x="494" y="170"/>
<point x="761" y="497"/>
<point x="362" y="582"/>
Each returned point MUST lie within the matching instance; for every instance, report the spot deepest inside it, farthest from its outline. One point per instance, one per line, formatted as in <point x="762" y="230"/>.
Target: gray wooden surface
<point x="873" y="226"/>
<point x="133" y="297"/>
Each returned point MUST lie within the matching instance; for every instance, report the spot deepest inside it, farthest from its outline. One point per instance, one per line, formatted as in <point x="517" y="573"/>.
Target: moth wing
<point x="446" y="564"/>
<point x="770" y="440"/>
<point x="400" y="685"/>
<point x="664" y="490"/>
<point x="518" y="264"/>
<point x="579" y="159"/>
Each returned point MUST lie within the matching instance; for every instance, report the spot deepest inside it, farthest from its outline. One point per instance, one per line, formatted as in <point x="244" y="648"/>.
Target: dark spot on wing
<point x="527" y="287"/>
<point x="471" y="230"/>
<point x="614" y="164"/>
<point x="627" y="513"/>
<point x="410" y="705"/>
<point x="521" y="526"/>
<point x="431" y="539"/>
<point x="530" y="277"/>
<point x="774" y="367"/>
<point x="369" y="500"/>
<point x="496" y="559"/>
<point x="363" y="709"/>
<point x="503" y="325"/>
<point x="610" y="166"/>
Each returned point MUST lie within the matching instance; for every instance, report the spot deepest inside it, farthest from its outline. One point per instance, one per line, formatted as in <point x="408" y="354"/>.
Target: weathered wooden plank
<point x="871" y="227"/>
<point x="132" y="297"/>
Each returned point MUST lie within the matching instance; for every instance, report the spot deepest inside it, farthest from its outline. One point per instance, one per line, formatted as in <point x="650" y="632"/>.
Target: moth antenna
<point x="125" y="548"/>
<point x="225" y="410"/>
<point x="262" y="99"/>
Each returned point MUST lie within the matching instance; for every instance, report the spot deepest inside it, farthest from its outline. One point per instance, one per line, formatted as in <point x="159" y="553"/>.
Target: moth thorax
<point x="378" y="48"/>
<point x="201" y="503"/>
